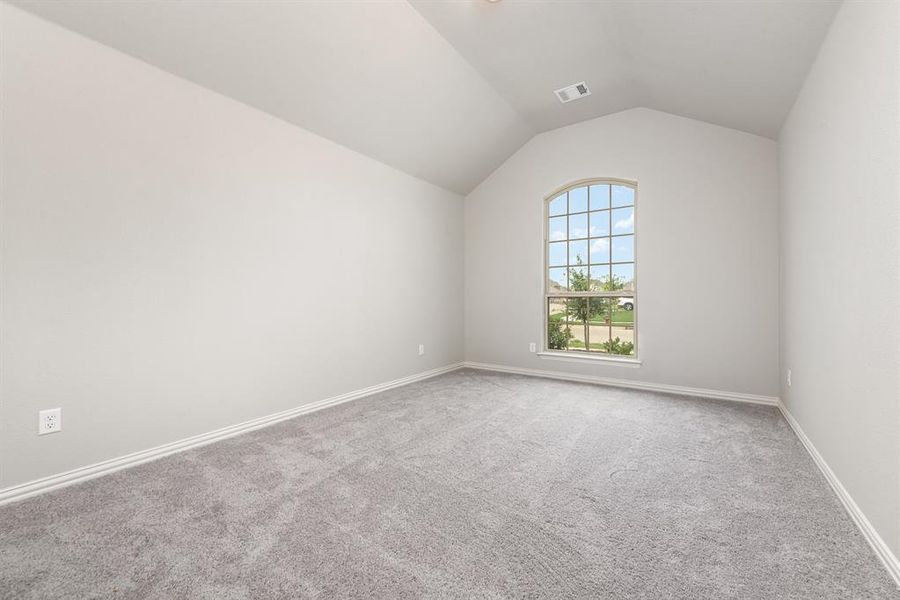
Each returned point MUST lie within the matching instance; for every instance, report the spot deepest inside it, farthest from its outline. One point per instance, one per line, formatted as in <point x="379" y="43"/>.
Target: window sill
<point x="569" y="356"/>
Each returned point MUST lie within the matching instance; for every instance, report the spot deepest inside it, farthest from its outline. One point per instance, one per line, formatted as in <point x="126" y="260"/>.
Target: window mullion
<point x="558" y="298"/>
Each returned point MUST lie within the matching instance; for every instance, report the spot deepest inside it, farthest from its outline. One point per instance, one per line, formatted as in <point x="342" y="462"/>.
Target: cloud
<point x="600" y="245"/>
<point x="557" y="236"/>
<point x="625" y="223"/>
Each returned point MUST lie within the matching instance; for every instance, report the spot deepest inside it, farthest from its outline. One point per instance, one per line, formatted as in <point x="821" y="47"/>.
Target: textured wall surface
<point x="174" y="262"/>
<point x="707" y="249"/>
<point x="840" y="266"/>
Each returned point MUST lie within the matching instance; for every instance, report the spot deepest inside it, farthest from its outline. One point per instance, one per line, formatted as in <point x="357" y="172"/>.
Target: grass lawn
<point x="619" y="317"/>
<point x="579" y="345"/>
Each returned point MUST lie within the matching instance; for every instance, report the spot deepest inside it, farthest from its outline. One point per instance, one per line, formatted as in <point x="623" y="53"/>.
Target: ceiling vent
<point x="572" y="92"/>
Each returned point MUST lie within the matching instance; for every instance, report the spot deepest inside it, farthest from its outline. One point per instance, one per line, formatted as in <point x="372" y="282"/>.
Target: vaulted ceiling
<point x="447" y="90"/>
<point x="735" y="63"/>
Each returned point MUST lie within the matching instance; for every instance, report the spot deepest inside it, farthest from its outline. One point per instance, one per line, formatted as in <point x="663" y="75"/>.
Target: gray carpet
<point x="469" y="485"/>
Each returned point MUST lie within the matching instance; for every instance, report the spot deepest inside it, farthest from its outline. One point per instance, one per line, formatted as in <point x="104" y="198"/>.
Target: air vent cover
<point x="572" y="92"/>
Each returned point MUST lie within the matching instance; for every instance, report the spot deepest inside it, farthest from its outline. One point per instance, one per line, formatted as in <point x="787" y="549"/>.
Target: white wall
<point x="707" y="249"/>
<point x="174" y="261"/>
<point x="840" y="267"/>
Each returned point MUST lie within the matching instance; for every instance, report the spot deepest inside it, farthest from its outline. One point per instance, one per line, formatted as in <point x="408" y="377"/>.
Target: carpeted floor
<point x="468" y="485"/>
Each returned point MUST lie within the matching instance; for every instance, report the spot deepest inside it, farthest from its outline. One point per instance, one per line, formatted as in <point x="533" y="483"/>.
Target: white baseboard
<point x="46" y="484"/>
<point x="881" y="549"/>
<point x="627" y="383"/>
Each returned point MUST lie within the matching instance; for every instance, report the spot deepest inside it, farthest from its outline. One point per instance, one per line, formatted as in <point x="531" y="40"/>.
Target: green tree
<point x="617" y="346"/>
<point x="606" y="306"/>
<point x="583" y="309"/>
<point x="610" y="305"/>
<point x="557" y="336"/>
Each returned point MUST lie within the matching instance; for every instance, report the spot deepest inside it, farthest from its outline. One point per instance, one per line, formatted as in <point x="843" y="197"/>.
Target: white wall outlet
<point x="421" y="349"/>
<point x="789" y="378"/>
<point x="532" y="347"/>
<point x="49" y="421"/>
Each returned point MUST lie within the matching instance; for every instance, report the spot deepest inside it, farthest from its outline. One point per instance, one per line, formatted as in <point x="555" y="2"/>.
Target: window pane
<point x="557" y="308"/>
<point x="600" y="323"/>
<point x="623" y="275"/>
<point x="600" y="250"/>
<point x="578" y="200"/>
<point x="599" y="223"/>
<point x="558" y="205"/>
<point x="557" y="254"/>
<point x="558" y="230"/>
<point x="578" y="311"/>
<point x="557" y="329"/>
<point x="578" y="226"/>
<point x="578" y="252"/>
<point x="599" y="196"/>
<point x="599" y="277"/>
<point x="623" y="220"/>
<point x="591" y="249"/>
<point x="556" y="280"/>
<point x="622" y="196"/>
<point x="623" y="248"/>
<point x="626" y="304"/>
<point x="578" y="279"/>
<point x="622" y="327"/>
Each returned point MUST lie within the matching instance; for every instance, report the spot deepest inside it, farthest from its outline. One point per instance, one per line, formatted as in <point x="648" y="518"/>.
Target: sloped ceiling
<point x="447" y="90"/>
<point x="736" y="63"/>
<point x="372" y="76"/>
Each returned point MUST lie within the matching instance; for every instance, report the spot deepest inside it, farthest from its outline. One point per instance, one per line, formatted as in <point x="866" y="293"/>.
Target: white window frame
<point x="577" y="355"/>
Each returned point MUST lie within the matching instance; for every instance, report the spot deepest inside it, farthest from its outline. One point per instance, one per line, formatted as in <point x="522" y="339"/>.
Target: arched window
<point x="590" y="285"/>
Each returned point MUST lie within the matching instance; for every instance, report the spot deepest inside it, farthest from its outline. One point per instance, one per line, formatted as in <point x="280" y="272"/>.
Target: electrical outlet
<point x="789" y="378"/>
<point x="49" y="421"/>
<point x="532" y="347"/>
<point x="421" y="349"/>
